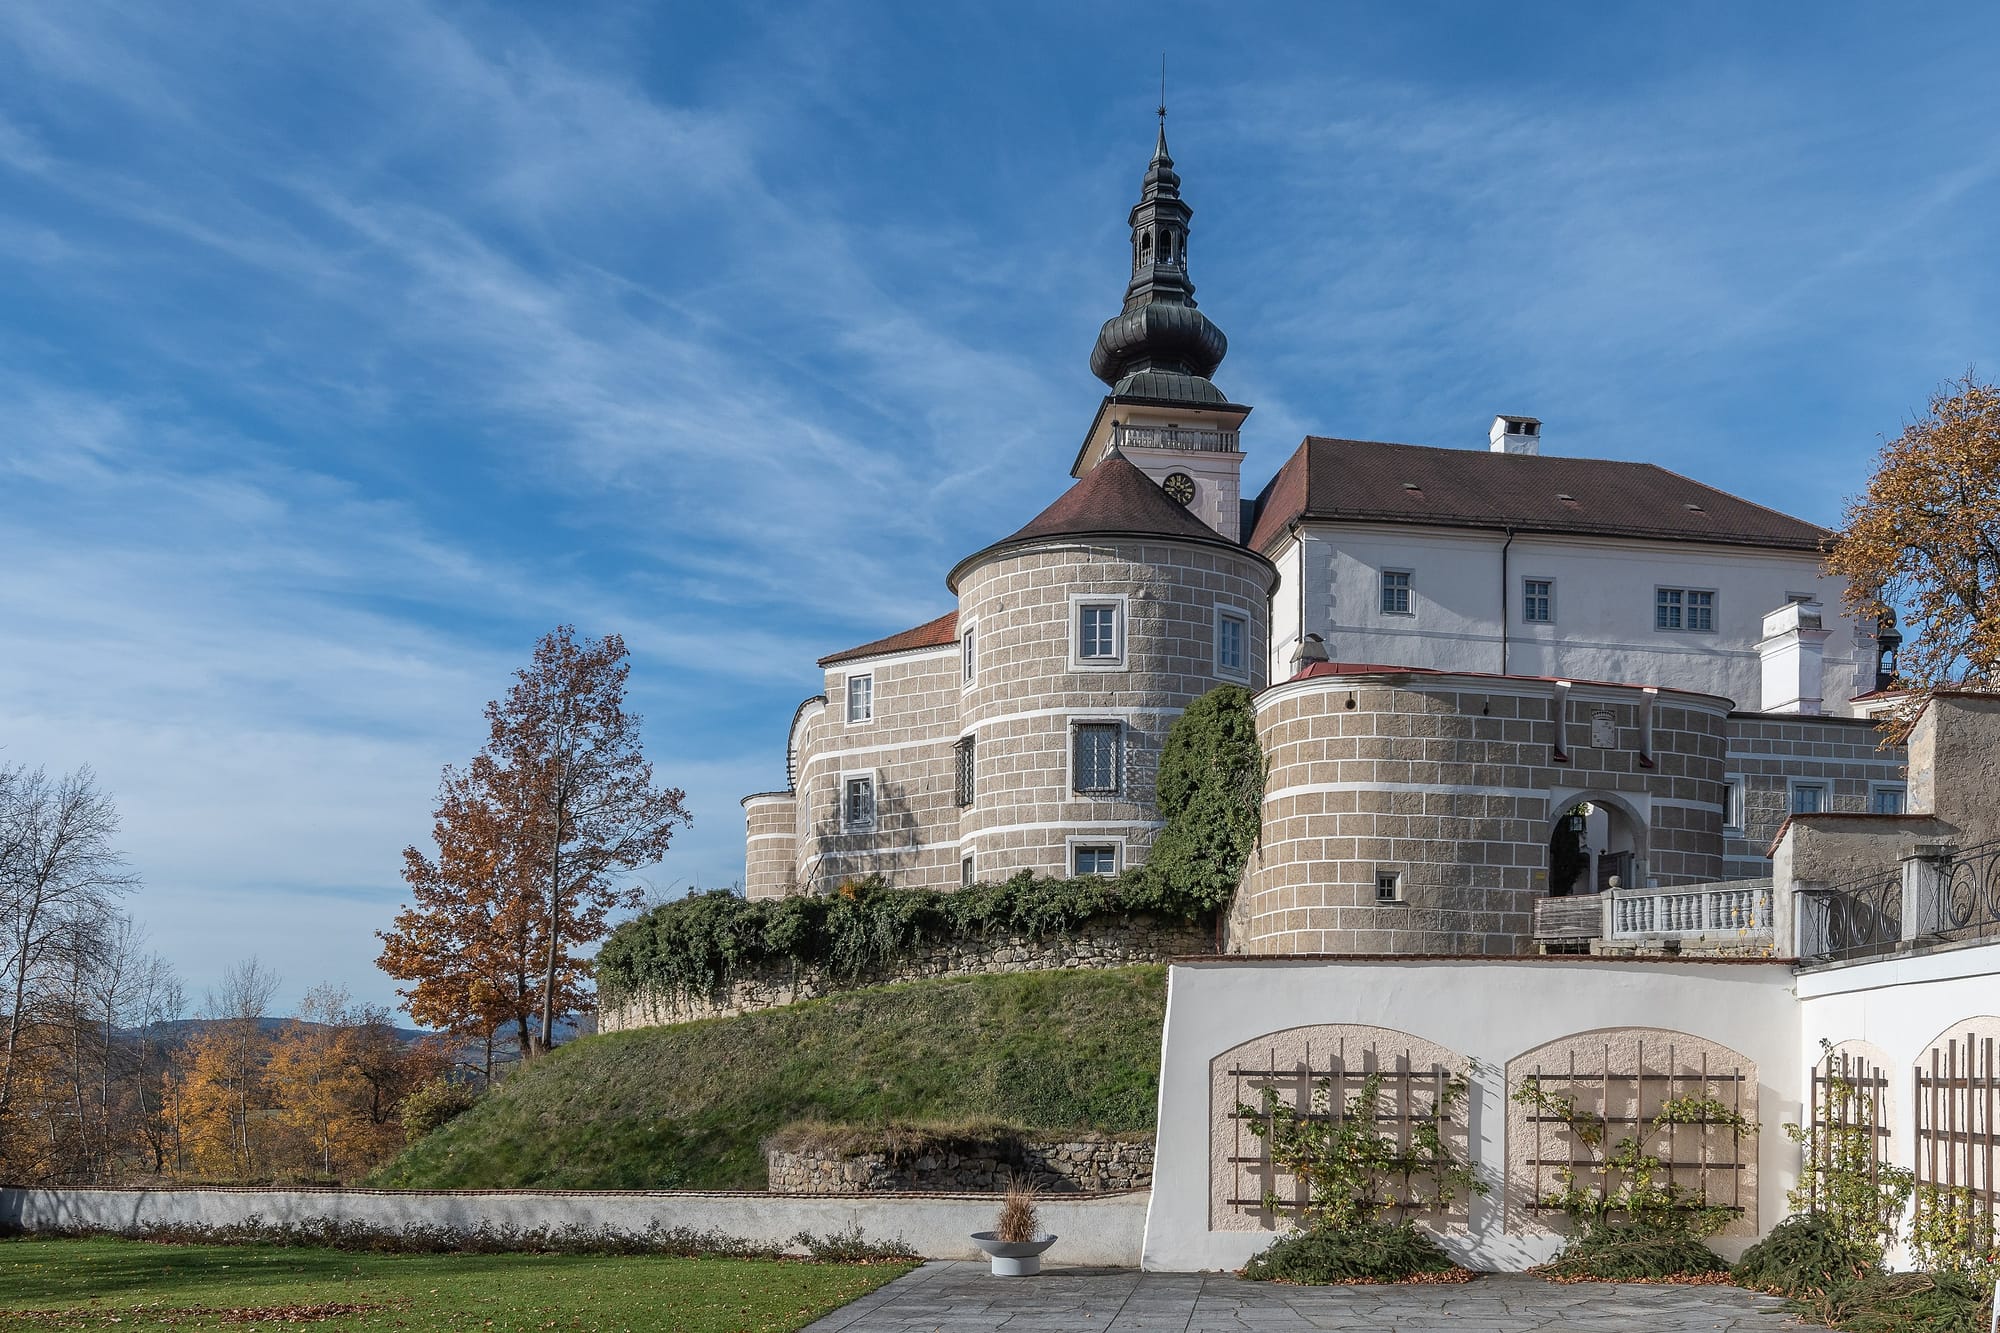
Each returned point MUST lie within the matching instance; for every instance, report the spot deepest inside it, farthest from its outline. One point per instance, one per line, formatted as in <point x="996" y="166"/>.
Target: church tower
<point x="1163" y="413"/>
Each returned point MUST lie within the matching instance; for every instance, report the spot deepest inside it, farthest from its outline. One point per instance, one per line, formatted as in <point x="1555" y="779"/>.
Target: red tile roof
<point x="938" y="633"/>
<point x="1114" y="499"/>
<point x="1371" y="482"/>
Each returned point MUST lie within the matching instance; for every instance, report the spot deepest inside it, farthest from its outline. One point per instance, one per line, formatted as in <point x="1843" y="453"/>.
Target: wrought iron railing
<point x="1954" y="895"/>
<point x="1852" y="919"/>
<point x="1734" y="907"/>
<point x="1176" y="437"/>
<point x="1966" y="904"/>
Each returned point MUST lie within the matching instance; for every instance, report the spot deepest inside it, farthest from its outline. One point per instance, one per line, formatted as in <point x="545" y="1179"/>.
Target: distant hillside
<point x="182" y="1029"/>
<point x="686" y="1107"/>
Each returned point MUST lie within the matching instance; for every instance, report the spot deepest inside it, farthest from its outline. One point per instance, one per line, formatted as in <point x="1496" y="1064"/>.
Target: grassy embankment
<point x="687" y="1107"/>
<point x="102" y="1283"/>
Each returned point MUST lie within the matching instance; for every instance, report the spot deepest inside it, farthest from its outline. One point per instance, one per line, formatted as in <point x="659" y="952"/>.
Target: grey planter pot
<point x="1013" y="1258"/>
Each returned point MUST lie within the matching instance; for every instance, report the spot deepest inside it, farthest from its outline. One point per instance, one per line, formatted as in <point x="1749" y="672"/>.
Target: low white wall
<point x="1105" y="1230"/>
<point x="1901" y="1006"/>
<point x="1490" y="1009"/>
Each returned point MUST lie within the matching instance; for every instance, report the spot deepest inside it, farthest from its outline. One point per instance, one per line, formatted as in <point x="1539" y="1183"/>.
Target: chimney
<point x="1793" y="648"/>
<point x="1515" y="435"/>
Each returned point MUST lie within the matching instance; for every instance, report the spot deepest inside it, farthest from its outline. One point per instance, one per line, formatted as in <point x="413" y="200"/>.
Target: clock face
<point x="1179" y="487"/>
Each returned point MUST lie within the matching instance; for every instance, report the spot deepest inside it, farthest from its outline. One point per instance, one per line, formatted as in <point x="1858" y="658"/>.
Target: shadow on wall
<point x="892" y="845"/>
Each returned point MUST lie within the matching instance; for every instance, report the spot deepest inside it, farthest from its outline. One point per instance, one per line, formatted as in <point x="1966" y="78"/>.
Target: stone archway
<point x="1611" y="842"/>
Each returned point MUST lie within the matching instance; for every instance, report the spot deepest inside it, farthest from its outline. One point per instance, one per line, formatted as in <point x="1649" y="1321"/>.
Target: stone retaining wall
<point x="1086" y="1164"/>
<point x="1112" y="942"/>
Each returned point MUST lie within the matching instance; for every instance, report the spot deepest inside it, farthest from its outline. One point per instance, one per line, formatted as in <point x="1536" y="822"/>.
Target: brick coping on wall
<point x="867" y="1195"/>
<point x="1557" y="960"/>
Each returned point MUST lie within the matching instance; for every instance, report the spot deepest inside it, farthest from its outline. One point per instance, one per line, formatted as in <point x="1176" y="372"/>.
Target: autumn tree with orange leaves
<point x="1923" y="544"/>
<point x="534" y="839"/>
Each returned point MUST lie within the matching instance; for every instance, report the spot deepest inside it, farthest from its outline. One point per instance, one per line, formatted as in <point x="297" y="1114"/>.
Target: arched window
<point x="1146" y="248"/>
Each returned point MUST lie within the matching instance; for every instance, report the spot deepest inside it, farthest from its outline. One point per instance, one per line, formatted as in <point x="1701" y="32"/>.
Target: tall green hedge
<point x="1211" y="783"/>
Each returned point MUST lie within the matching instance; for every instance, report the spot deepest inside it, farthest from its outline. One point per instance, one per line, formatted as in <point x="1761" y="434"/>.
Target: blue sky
<point x="346" y="348"/>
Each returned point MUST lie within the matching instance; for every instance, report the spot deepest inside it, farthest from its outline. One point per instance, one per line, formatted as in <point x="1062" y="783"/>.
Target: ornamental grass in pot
<point x="1017" y="1240"/>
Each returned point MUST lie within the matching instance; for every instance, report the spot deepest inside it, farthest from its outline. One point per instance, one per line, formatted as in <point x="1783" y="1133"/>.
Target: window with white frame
<point x="1732" y="802"/>
<point x="1388" y="886"/>
<point x="1888" y="798"/>
<point x="1100" y="633"/>
<point x="965" y="767"/>
<point x="1095" y="749"/>
<point x="1690" y="609"/>
<point x="1232" y="644"/>
<point x="1808" y="798"/>
<point x="968" y="656"/>
<point x="965" y="871"/>
<point x="1538" y="601"/>
<point x="1094" y="858"/>
<point x="860" y="698"/>
<point x="857" y="803"/>
<point x="1396" y="593"/>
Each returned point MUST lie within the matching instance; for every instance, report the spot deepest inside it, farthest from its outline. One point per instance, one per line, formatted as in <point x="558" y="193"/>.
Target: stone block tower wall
<point x="770" y="844"/>
<point x="1028" y="691"/>
<point x="1451" y="784"/>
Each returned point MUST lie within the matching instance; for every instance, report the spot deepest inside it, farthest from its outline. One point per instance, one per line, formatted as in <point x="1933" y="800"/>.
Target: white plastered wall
<point x="1488" y="1009"/>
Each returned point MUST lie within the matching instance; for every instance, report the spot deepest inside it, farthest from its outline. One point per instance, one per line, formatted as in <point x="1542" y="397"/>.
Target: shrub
<point x="1906" y="1303"/>
<point x="1210" y="791"/>
<point x="1953" y="1233"/>
<point x="1635" y="1252"/>
<point x="1371" y="1251"/>
<point x="1859" y="1198"/>
<point x="432" y="1105"/>
<point x="1806" y="1255"/>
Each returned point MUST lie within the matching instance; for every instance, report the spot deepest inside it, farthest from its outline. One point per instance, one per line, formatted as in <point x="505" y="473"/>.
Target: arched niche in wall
<point x="1956" y="1115"/>
<point x="1851" y="1088"/>
<point x="1618" y="1080"/>
<point x="1292" y="1063"/>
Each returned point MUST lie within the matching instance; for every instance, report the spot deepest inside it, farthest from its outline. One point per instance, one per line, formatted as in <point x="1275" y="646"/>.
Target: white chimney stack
<point x="1793" y="649"/>
<point x="1515" y="435"/>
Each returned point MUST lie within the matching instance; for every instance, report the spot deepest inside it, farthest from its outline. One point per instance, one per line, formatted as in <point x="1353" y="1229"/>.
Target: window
<point x="857" y="804"/>
<point x="1538" y="601"/>
<point x="1690" y="609"/>
<point x="1732" y="802"/>
<point x="860" y="698"/>
<point x="1388" y="886"/>
<point x="965" y="872"/>
<point x="1396" y="592"/>
<point x="1808" y="798"/>
<point x="1097" y="633"/>
<point x="962" y="753"/>
<point x="1887" y="799"/>
<point x="968" y="657"/>
<point x="1232" y="637"/>
<point x="1095" y="858"/>
<point x="1094" y="758"/>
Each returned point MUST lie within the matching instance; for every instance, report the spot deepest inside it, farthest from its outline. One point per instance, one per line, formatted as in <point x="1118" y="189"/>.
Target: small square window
<point x="965" y="767"/>
<point x="1092" y="858"/>
<point x="1097" y="632"/>
<point x="1388" y="886"/>
<point x="857" y="805"/>
<point x="1808" y="798"/>
<point x="965" y="872"/>
<point x="1094" y="758"/>
<point x="1396" y="592"/>
<point x="1887" y="800"/>
<point x="860" y="698"/>
<point x="1538" y="601"/>
<point x="1232" y="636"/>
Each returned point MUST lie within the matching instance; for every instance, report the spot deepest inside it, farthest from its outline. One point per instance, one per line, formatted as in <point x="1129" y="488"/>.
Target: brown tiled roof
<point x="937" y="633"/>
<point x="1114" y="499"/>
<point x="1369" y="482"/>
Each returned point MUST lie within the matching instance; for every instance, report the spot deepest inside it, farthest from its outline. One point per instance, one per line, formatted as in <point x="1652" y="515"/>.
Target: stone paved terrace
<point x="962" y="1297"/>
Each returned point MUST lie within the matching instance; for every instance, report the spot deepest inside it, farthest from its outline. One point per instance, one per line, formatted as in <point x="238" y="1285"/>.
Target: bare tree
<point x="239" y="1005"/>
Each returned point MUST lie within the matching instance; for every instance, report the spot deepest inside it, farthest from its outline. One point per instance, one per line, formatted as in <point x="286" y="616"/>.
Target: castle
<point x="1460" y="658"/>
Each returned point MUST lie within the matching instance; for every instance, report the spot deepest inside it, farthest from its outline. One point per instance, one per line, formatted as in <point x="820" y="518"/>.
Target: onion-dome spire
<point x="1160" y="346"/>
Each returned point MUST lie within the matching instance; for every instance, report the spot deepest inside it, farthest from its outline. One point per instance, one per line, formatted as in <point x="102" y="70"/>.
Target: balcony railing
<point x="1736" y="907"/>
<point x="1938" y="895"/>
<point x="1175" y="437"/>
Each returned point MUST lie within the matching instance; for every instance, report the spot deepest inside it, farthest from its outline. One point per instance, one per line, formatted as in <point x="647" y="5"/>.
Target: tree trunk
<point x="555" y="931"/>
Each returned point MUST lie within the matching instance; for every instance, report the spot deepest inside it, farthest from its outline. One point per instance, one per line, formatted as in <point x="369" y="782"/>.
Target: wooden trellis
<point x="1705" y="1155"/>
<point x="1957" y="1101"/>
<point x="1410" y="1097"/>
<point x="1867" y="1100"/>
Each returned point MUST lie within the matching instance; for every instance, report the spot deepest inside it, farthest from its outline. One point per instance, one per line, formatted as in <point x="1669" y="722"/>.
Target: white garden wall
<point x="1489" y="1009"/>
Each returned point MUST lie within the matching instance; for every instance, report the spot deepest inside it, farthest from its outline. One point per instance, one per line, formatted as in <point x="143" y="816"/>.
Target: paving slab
<point x="963" y="1297"/>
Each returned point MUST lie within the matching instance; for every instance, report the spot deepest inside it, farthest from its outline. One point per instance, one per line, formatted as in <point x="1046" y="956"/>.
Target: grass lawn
<point x="687" y="1106"/>
<point x="119" y="1283"/>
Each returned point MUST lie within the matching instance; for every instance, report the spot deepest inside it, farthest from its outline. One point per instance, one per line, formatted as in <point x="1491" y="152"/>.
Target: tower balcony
<point x="1175" y="437"/>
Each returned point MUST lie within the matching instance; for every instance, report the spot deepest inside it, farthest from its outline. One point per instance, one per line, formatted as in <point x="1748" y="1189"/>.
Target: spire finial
<point x="1160" y="148"/>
